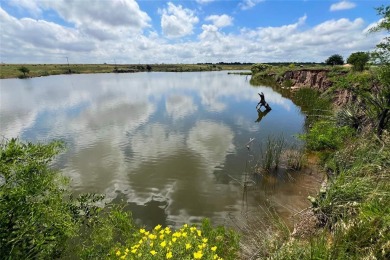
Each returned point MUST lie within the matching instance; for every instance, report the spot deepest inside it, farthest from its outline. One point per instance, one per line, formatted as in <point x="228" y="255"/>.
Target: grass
<point x="38" y="70"/>
<point x="353" y="209"/>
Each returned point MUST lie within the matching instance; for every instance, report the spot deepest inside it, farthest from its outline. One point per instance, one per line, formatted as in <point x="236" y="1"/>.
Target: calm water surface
<point x="171" y="145"/>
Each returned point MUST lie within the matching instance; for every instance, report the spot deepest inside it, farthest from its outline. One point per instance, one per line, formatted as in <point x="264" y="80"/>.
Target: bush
<point x="259" y="67"/>
<point x="358" y="60"/>
<point x="335" y="59"/>
<point x="35" y="220"/>
<point x="326" y="135"/>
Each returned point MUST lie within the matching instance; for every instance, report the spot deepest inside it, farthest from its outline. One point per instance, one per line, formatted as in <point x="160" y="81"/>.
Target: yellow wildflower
<point x="127" y="250"/>
<point x="161" y="237"/>
<point x="185" y="225"/>
<point x="158" y="227"/>
<point x="151" y="243"/>
<point x="134" y="251"/>
<point x="174" y="239"/>
<point x="153" y="252"/>
<point x="142" y="230"/>
<point x="152" y="236"/>
<point x="198" y="255"/>
<point x="123" y="257"/>
<point x="163" y="244"/>
<point x="214" y="248"/>
<point x="118" y="253"/>
<point x="169" y="255"/>
<point x="184" y="234"/>
<point x="204" y="240"/>
<point x="199" y="233"/>
<point x="177" y="234"/>
<point x="188" y="246"/>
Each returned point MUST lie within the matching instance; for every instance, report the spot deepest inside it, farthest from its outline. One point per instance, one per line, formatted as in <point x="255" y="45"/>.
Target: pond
<point x="173" y="146"/>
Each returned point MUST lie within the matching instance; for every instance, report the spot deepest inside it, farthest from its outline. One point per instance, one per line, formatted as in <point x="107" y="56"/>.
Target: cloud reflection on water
<point x="145" y="135"/>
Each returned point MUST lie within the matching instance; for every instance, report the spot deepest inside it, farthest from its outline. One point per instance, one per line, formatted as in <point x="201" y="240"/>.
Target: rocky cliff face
<point x="316" y="79"/>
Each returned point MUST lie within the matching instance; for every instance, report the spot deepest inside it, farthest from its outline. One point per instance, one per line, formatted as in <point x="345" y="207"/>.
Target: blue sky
<point x="129" y="31"/>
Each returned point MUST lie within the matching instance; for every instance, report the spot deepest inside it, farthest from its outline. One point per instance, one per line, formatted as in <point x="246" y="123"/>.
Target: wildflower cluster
<point x="164" y="243"/>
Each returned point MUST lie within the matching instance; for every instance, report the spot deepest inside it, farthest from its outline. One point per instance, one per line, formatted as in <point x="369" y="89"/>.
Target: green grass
<point x="38" y="70"/>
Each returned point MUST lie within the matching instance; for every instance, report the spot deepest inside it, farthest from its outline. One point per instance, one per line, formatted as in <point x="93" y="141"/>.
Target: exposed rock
<point x="309" y="78"/>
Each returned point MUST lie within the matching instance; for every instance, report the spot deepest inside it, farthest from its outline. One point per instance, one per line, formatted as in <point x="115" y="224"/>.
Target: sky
<point x="185" y="31"/>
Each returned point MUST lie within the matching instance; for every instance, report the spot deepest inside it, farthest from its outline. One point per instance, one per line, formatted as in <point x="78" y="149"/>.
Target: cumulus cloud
<point x="248" y="4"/>
<point x="42" y="35"/>
<point x="177" y="21"/>
<point x="342" y="5"/>
<point x="27" y="40"/>
<point x="97" y="19"/>
<point x="220" y="20"/>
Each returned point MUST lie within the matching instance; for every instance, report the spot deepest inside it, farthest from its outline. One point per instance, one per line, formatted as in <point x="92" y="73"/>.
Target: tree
<point x="259" y="67"/>
<point x="358" y="60"/>
<point x="335" y="59"/>
<point x="375" y="103"/>
<point x="382" y="52"/>
<point x="24" y="70"/>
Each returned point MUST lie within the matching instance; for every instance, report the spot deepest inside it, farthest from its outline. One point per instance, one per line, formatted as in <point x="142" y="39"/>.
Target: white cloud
<point x="220" y="20"/>
<point x="205" y="1"/>
<point x="26" y="40"/>
<point x="40" y="34"/>
<point x="177" y="21"/>
<point x="97" y="19"/>
<point x="31" y="6"/>
<point x="343" y="5"/>
<point x="248" y="4"/>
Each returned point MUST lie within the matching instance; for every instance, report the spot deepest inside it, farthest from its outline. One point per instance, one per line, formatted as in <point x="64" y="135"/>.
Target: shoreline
<point x="8" y="71"/>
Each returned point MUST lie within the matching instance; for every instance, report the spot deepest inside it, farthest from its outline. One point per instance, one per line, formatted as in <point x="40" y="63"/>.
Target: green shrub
<point x="259" y="67"/>
<point x="326" y="135"/>
<point x="35" y="220"/>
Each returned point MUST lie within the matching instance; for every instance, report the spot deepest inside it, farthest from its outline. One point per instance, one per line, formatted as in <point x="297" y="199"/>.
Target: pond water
<point x="170" y="145"/>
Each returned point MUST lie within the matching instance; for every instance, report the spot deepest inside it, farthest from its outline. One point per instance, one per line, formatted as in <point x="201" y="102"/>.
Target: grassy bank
<point x="38" y="70"/>
<point x="349" y="218"/>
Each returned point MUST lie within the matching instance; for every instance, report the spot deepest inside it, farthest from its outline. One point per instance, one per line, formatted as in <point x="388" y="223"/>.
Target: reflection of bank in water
<point x="277" y="175"/>
<point x="279" y="195"/>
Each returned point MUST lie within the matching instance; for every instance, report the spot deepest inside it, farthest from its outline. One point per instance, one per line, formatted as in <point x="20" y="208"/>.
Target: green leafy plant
<point x="335" y="59"/>
<point x="35" y="220"/>
<point x="358" y="60"/>
<point x="24" y="70"/>
<point x="326" y="135"/>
